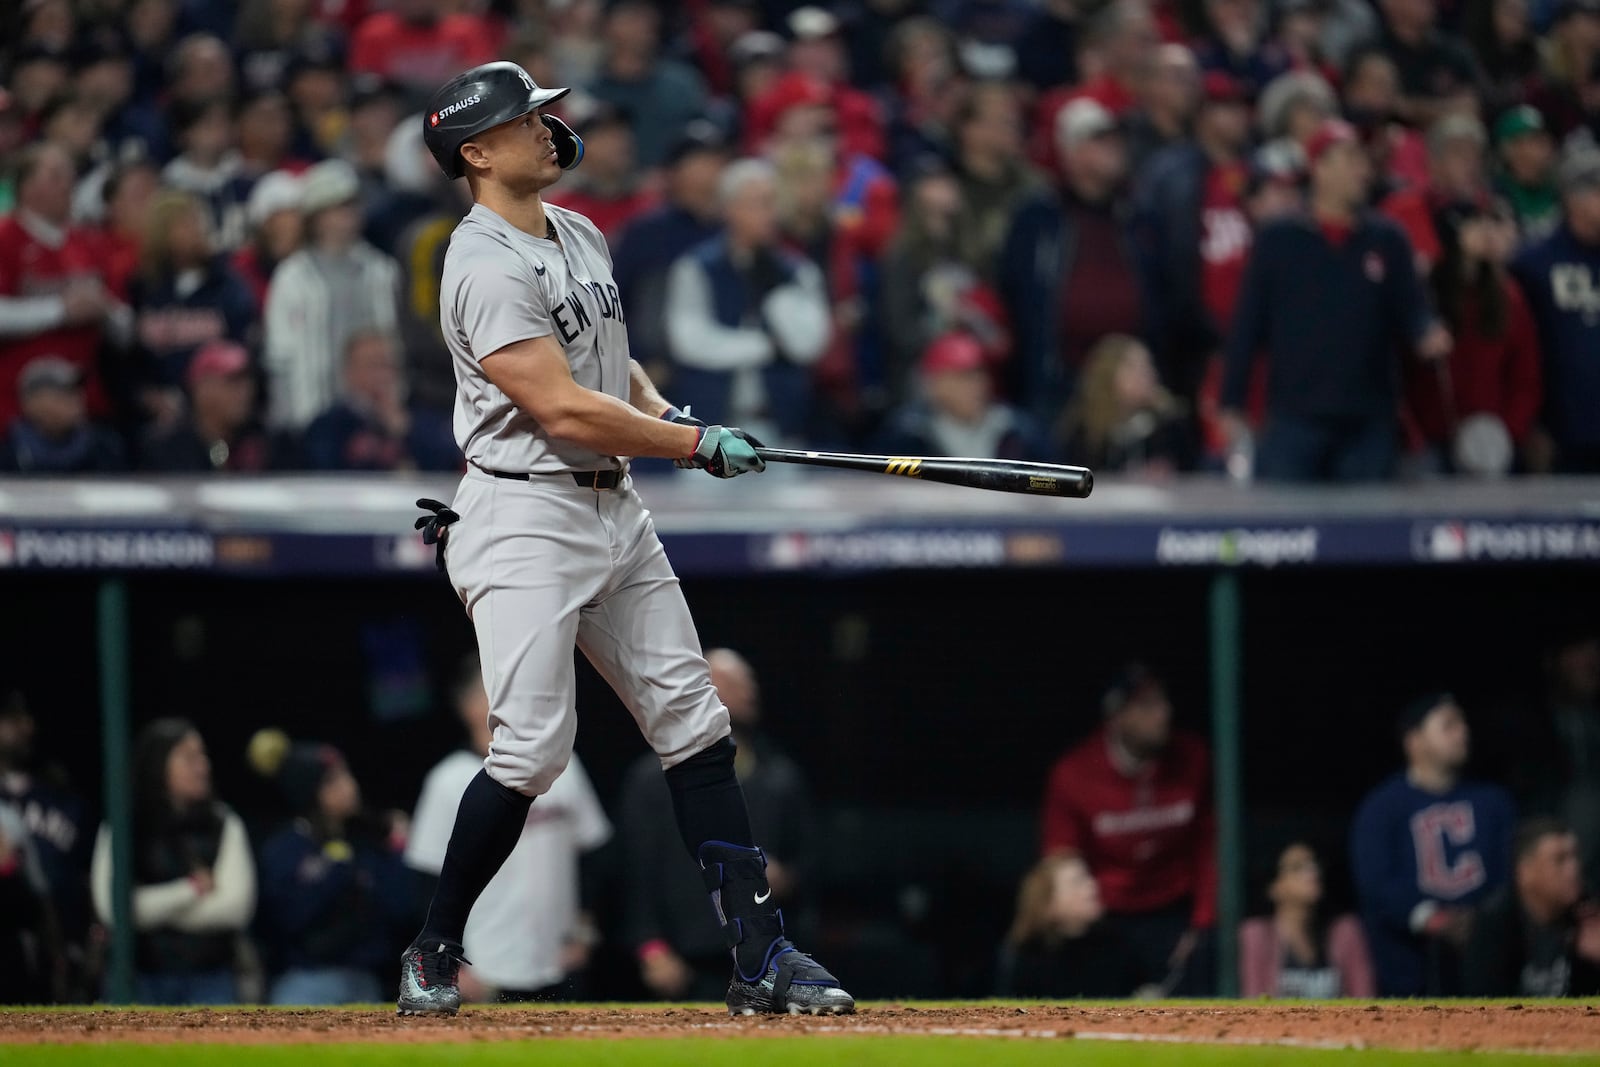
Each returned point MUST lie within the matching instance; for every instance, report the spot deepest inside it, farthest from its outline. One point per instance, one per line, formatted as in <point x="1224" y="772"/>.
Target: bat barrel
<point x="1001" y="475"/>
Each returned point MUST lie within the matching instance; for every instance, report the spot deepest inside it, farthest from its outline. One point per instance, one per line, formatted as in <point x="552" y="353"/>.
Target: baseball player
<point x="548" y="545"/>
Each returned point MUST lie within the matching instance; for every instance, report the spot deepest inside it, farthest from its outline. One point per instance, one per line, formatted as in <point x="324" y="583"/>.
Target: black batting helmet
<point x="472" y="102"/>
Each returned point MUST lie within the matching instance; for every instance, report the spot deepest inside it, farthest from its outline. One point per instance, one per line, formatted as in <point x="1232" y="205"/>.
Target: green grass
<point x="773" y="1052"/>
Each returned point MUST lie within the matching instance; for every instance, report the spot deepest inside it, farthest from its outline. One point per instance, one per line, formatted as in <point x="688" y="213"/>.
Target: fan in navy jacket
<point x="1426" y="846"/>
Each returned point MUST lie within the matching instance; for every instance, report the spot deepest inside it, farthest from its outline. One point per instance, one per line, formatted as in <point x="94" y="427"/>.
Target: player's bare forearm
<point x="642" y="391"/>
<point x="535" y="375"/>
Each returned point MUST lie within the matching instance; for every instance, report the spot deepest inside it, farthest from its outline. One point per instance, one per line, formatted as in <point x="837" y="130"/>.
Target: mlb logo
<point x="1373" y="265"/>
<point x="8" y="548"/>
<point x="433" y="120"/>
<point x="1448" y="541"/>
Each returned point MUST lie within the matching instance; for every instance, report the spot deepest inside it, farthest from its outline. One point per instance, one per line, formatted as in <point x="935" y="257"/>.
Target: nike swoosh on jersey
<point x="761" y="898"/>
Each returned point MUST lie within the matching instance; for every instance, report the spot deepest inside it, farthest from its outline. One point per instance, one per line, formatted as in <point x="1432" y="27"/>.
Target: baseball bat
<point x="1002" y="475"/>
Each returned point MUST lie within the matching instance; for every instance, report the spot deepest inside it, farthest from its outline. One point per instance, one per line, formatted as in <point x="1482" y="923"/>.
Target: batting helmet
<point x="472" y="102"/>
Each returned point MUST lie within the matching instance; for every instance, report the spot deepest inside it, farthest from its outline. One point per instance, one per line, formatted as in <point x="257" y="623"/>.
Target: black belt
<point x="596" y="480"/>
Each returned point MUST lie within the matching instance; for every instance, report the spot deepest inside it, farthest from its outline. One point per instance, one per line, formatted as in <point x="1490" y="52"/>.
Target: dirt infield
<point x="1540" y="1027"/>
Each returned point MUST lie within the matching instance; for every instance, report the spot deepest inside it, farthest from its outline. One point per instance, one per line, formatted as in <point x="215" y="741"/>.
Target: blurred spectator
<point x="1457" y="174"/>
<point x="53" y="295"/>
<point x="807" y="224"/>
<point x="53" y="818"/>
<point x="419" y="44"/>
<point x="927" y="79"/>
<point x="1273" y="189"/>
<point x="218" y="429"/>
<point x="708" y="39"/>
<point x="1505" y="45"/>
<point x="1370" y="96"/>
<point x="376" y="109"/>
<point x="335" y="285"/>
<point x="52" y="433"/>
<point x="607" y="188"/>
<point x="1059" y="946"/>
<point x="1566" y="83"/>
<point x="930" y="286"/>
<point x="818" y="50"/>
<point x="1134" y="801"/>
<point x="951" y="409"/>
<point x="36" y="76"/>
<point x="374" y="426"/>
<point x="649" y="245"/>
<point x="200" y="71"/>
<point x="185" y="295"/>
<point x="1560" y="276"/>
<point x="746" y="318"/>
<point x="757" y="59"/>
<point x="1236" y="41"/>
<point x="194" y="881"/>
<point x="1067" y="272"/>
<point x="103" y="77"/>
<point x="570" y="41"/>
<point x="1555" y="741"/>
<point x="1297" y="952"/>
<point x="518" y="952"/>
<point x="1489" y="381"/>
<point x="28" y="936"/>
<point x="681" y="953"/>
<point x="209" y="167"/>
<point x="1121" y="418"/>
<point x="1193" y="234"/>
<point x="1167" y="103"/>
<point x="332" y="885"/>
<point x="1328" y="297"/>
<point x="127" y="193"/>
<point x="270" y="33"/>
<point x="659" y="95"/>
<point x="276" y="230"/>
<point x="151" y="26"/>
<point x="1437" y="72"/>
<point x="1525" y="174"/>
<point x="318" y="88"/>
<point x="263" y="133"/>
<point x="1540" y="935"/>
<point x="1427" y="845"/>
<point x="1116" y="53"/>
<point x="1293" y="105"/>
<point x="1317" y="35"/>
<point x="993" y="170"/>
<point x="1047" y="54"/>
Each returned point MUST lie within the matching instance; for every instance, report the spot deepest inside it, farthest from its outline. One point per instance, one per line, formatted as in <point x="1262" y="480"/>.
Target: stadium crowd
<point x="1294" y="239"/>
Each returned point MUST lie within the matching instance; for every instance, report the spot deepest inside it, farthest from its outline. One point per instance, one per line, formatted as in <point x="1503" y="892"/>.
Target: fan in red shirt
<point x="53" y="297"/>
<point x="1119" y="48"/>
<point x="1134" y="800"/>
<point x="413" y="45"/>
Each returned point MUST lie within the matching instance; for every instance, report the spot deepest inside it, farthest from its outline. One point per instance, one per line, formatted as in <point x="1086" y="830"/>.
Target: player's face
<point x="1145" y="722"/>
<point x="520" y="153"/>
<point x="188" y="771"/>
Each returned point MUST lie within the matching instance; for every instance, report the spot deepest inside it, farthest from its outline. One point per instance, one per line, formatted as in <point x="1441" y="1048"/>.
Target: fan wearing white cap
<point x="335" y="286"/>
<point x="276" y="228"/>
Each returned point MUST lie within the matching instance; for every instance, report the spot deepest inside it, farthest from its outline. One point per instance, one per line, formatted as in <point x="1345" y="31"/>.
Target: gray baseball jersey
<point x="500" y="286"/>
<point x="544" y="564"/>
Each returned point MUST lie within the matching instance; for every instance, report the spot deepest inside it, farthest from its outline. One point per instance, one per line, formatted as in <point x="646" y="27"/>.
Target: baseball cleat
<point x="428" y="976"/>
<point x="793" y="983"/>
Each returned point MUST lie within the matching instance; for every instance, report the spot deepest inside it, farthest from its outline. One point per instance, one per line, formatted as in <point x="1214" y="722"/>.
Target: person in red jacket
<point x="1134" y="801"/>
<point x="1491" y="376"/>
<point x="412" y="43"/>
<point x="53" y="295"/>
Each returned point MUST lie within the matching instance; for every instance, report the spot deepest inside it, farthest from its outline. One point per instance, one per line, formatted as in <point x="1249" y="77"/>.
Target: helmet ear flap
<point x="568" y="145"/>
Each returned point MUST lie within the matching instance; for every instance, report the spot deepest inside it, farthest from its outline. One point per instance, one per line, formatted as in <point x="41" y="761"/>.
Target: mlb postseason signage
<point x="813" y="523"/>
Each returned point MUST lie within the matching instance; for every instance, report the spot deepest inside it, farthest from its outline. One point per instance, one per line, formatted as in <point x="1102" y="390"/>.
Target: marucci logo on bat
<point x="911" y="468"/>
